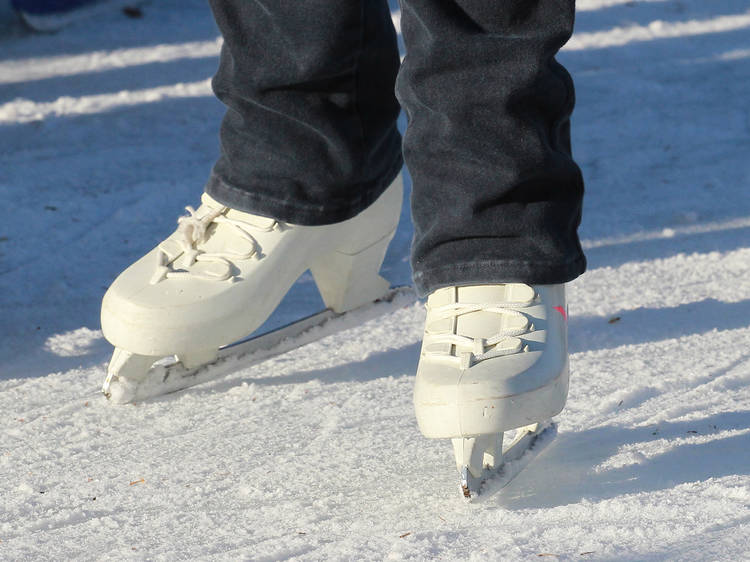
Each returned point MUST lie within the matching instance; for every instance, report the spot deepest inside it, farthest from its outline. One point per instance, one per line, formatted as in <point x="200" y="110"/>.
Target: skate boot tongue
<point x="484" y="323"/>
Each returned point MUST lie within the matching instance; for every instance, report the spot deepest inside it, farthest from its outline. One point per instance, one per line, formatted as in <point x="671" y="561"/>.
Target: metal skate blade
<point x="126" y="365"/>
<point x="516" y="456"/>
<point x="470" y="484"/>
<point x="168" y="374"/>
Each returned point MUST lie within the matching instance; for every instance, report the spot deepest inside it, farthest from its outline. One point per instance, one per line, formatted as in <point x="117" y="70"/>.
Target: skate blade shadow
<point x="498" y="481"/>
<point x="382" y="364"/>
<point x="610" y="461"/>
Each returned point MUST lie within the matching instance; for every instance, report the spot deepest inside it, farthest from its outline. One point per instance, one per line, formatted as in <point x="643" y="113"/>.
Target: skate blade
<point x="526" y="444"/>
<point x="168" y="374"/>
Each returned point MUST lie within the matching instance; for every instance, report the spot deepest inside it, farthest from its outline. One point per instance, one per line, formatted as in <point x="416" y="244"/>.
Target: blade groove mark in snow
<point x="26" y="70"/>
<point x="24" y="111"/>
<point x="619" y="36"/>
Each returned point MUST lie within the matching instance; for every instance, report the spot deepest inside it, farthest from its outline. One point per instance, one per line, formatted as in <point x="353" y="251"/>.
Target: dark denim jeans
<point x="310" y="134"/>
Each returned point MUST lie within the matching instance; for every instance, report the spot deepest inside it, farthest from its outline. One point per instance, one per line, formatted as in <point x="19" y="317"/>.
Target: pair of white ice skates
<point x="493" y="359"/>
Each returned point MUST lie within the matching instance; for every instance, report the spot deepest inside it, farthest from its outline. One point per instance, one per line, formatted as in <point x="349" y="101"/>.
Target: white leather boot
<point x="222" y="273"/>
<point x="494" y="358"/>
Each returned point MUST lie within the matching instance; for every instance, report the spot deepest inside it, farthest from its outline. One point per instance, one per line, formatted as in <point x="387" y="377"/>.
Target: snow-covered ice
<point x="108" y="129"/>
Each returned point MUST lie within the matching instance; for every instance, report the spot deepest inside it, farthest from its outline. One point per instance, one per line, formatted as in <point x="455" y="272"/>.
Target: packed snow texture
<point x="108" y="129"/>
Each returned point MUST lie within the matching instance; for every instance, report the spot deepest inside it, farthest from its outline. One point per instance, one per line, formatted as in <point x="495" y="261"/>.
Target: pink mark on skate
<point x="562" y="311"/>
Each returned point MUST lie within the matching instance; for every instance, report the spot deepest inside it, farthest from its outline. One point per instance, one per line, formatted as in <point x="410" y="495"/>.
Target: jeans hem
<point x="489" y="272"/>
<point x="295" y="212"/>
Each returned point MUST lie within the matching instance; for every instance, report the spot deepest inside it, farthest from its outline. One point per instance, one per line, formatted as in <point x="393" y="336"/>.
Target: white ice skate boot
<point x="222" y="273"/>
<point x="494" y="358"/>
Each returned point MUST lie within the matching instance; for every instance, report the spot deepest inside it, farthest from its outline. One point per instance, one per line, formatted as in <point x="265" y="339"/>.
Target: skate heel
<point x="349" y="280"/>
<point x="348" y="276"/>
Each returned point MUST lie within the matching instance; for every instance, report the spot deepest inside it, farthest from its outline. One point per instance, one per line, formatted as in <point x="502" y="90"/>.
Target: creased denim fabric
<point x="310" y="135"/>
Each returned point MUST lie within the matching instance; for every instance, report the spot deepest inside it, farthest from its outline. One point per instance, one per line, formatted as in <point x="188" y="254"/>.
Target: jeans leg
<point x="496" y="194"/>
<point x="310" y="134"/>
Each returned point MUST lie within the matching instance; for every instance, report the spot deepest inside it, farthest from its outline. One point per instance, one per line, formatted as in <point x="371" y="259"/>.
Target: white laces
<point x="471" y="350"/>
<point x="192" y="230"/>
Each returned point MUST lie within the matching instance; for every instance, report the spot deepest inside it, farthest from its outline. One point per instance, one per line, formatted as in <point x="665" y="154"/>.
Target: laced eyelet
<point x="469" y="350"/>
<point x="192" y="231"/>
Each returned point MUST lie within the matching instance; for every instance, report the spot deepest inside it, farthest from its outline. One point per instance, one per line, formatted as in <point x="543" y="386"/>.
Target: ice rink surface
<point x="108" y="129"/>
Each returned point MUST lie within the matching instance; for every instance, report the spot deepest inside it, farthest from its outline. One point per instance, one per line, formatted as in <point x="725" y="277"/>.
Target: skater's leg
<point x="309" y="146"/>
<point x="310" y="134"/>
<point x="496" y="202"/>
<point x="496" y="195"/>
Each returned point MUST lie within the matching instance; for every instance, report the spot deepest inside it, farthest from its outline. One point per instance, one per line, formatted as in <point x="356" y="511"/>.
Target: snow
<point x="108" y="129"/>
